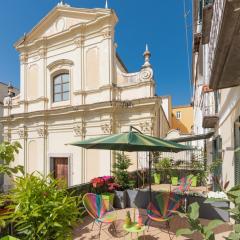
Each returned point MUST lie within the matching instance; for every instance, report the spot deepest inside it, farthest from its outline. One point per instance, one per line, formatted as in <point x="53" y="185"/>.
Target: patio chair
<point x="185" y="184"/>
<point x="99" y="210"/>
<point x="167" y="204"/>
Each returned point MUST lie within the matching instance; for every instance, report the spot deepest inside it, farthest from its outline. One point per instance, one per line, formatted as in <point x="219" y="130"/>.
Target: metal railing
<point x="210" y="105"/>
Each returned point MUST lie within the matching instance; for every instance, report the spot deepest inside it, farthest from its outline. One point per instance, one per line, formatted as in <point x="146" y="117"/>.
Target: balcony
<point x="224" y="45"/>
<point x="209" y="109"/>
<point x="207" y="21"/>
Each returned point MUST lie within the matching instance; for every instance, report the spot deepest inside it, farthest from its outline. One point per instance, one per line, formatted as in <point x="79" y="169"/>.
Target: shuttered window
<point x="217" y="155"/>
<point x="237" y="152"/>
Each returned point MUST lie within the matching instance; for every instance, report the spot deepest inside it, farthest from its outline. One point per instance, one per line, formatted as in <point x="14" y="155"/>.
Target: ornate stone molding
<point x="79" y="42"/>
<point x="107" y="34"/>
<point x="79" y="130"/>
<point x="42" y="52"/>
<point x="146" y="126"/>
<point x="60" y="63"/>
<point x="22" y="132"/>
<point x="146" y="74"/>
<point x="42" y="131"/>
<point x="107" y="128"/>
<point x="23" y="58"/>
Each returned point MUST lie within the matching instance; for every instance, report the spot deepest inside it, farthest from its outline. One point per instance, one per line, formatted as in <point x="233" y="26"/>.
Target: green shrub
<point x="7" y="152"/>
<point x="192" y="216"/>
<point x="234" y="196"/>
<point x="42" y="208"/>
<point x="164" y="166"/>
<point x="120" y="172"/>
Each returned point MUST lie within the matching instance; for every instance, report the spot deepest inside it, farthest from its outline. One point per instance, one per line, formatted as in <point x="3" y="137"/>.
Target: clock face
<point x="60" y="24"/>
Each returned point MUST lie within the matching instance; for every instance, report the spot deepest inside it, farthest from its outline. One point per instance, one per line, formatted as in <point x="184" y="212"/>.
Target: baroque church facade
<point x="74" y="86"/>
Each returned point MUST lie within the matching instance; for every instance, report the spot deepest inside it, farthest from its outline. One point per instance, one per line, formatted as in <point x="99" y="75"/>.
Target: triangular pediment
<point x="61" y="19"/>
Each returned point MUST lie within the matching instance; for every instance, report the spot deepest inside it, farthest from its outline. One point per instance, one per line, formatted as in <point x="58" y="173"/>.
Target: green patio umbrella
<point x="132" y="141"/>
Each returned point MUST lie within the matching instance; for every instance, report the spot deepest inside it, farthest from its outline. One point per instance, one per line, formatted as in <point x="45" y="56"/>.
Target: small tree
<point x="120" y="170"/>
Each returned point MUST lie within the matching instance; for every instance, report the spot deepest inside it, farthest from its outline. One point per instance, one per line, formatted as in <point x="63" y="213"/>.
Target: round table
<point x="132" y="229"/>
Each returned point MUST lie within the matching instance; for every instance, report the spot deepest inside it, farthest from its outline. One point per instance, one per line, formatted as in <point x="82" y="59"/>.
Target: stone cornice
<point x="81" y="109"/>
<point x="121" y="87"/>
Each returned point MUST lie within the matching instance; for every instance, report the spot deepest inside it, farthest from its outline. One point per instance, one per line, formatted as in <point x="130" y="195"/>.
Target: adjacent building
<point x="74" y="86"/>
<point x="182" y="119"/>
<point x="216" y="81"/>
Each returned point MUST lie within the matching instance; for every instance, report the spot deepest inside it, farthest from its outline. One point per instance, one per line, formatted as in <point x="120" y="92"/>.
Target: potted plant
<point x="100" y="186"/>
<point x="157" y="177"/>
<point x="174" y="177"/>
<point x="193" y="180"/>
<point x="121" y="177"/>
<point x="164" y="166"/>
<point x="156" y="174"/>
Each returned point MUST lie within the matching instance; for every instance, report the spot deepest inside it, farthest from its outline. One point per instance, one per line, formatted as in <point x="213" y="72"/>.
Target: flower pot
<point x="120" y="199"/>
<point x="108" y="199"/>
<point x="174" y="181"/>
<point x="157" y="178"/>
<point x="211" y="211"/>
<point x="131" y="197"/>
<point x="194" y="181"/>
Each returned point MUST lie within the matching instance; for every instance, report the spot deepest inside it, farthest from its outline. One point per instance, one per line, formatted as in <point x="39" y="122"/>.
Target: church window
<point x="61" y="87"/>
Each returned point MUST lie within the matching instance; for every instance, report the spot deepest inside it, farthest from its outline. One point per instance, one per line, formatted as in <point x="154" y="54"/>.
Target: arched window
<point x="61" y="87"/>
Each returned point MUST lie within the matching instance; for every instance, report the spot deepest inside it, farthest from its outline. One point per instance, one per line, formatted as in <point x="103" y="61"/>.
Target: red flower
<point x="97" y="182"/>
<point x="113" y="186"/>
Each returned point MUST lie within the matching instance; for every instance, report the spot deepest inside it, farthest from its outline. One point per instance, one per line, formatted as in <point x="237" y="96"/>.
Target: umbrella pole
<point x="150" y="177"/>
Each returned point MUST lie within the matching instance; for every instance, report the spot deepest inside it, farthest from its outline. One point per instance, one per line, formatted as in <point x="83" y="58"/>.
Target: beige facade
<point x="182" y="118"/>
<point x="216" y="81"/>
<point x="73" y="87"/>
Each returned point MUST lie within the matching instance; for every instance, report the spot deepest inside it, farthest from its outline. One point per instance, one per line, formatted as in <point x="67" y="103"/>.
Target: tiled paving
<point x="83" y="231"/>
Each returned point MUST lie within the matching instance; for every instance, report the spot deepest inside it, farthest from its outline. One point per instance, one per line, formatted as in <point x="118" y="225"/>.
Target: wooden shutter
<point x="61" y="169"/>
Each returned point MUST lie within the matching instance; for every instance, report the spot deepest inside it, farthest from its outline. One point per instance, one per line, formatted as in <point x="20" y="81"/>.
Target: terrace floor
<point x="169" y="187"/>
<point x="156" y="231"/>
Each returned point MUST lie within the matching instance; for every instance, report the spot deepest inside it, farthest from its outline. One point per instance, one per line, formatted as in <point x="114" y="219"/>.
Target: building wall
<point x="185" y="122"/>
<point x="219" y="102"/>
<point x="104" y="97"/>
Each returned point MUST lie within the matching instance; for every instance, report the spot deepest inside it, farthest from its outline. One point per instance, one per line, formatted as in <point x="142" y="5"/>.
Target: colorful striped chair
<point x="167" y="203"/>
<point x="185" y="184"/>
<point x="99" y="210"/>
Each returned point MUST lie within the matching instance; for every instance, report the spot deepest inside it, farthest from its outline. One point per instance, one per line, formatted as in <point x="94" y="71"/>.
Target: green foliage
<point x="7" y="153"/>
<point x="192" y="216"/>
<point x="215" y="165"/>
<point x="234" y="196"/>
<point x="165" y="163"/>
<point x="164" y="166"/>
<point x="120" y="171"/>
<point x="42" y="209"/>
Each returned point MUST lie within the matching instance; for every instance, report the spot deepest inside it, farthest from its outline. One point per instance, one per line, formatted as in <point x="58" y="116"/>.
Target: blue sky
<point x="156" y="22"/>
